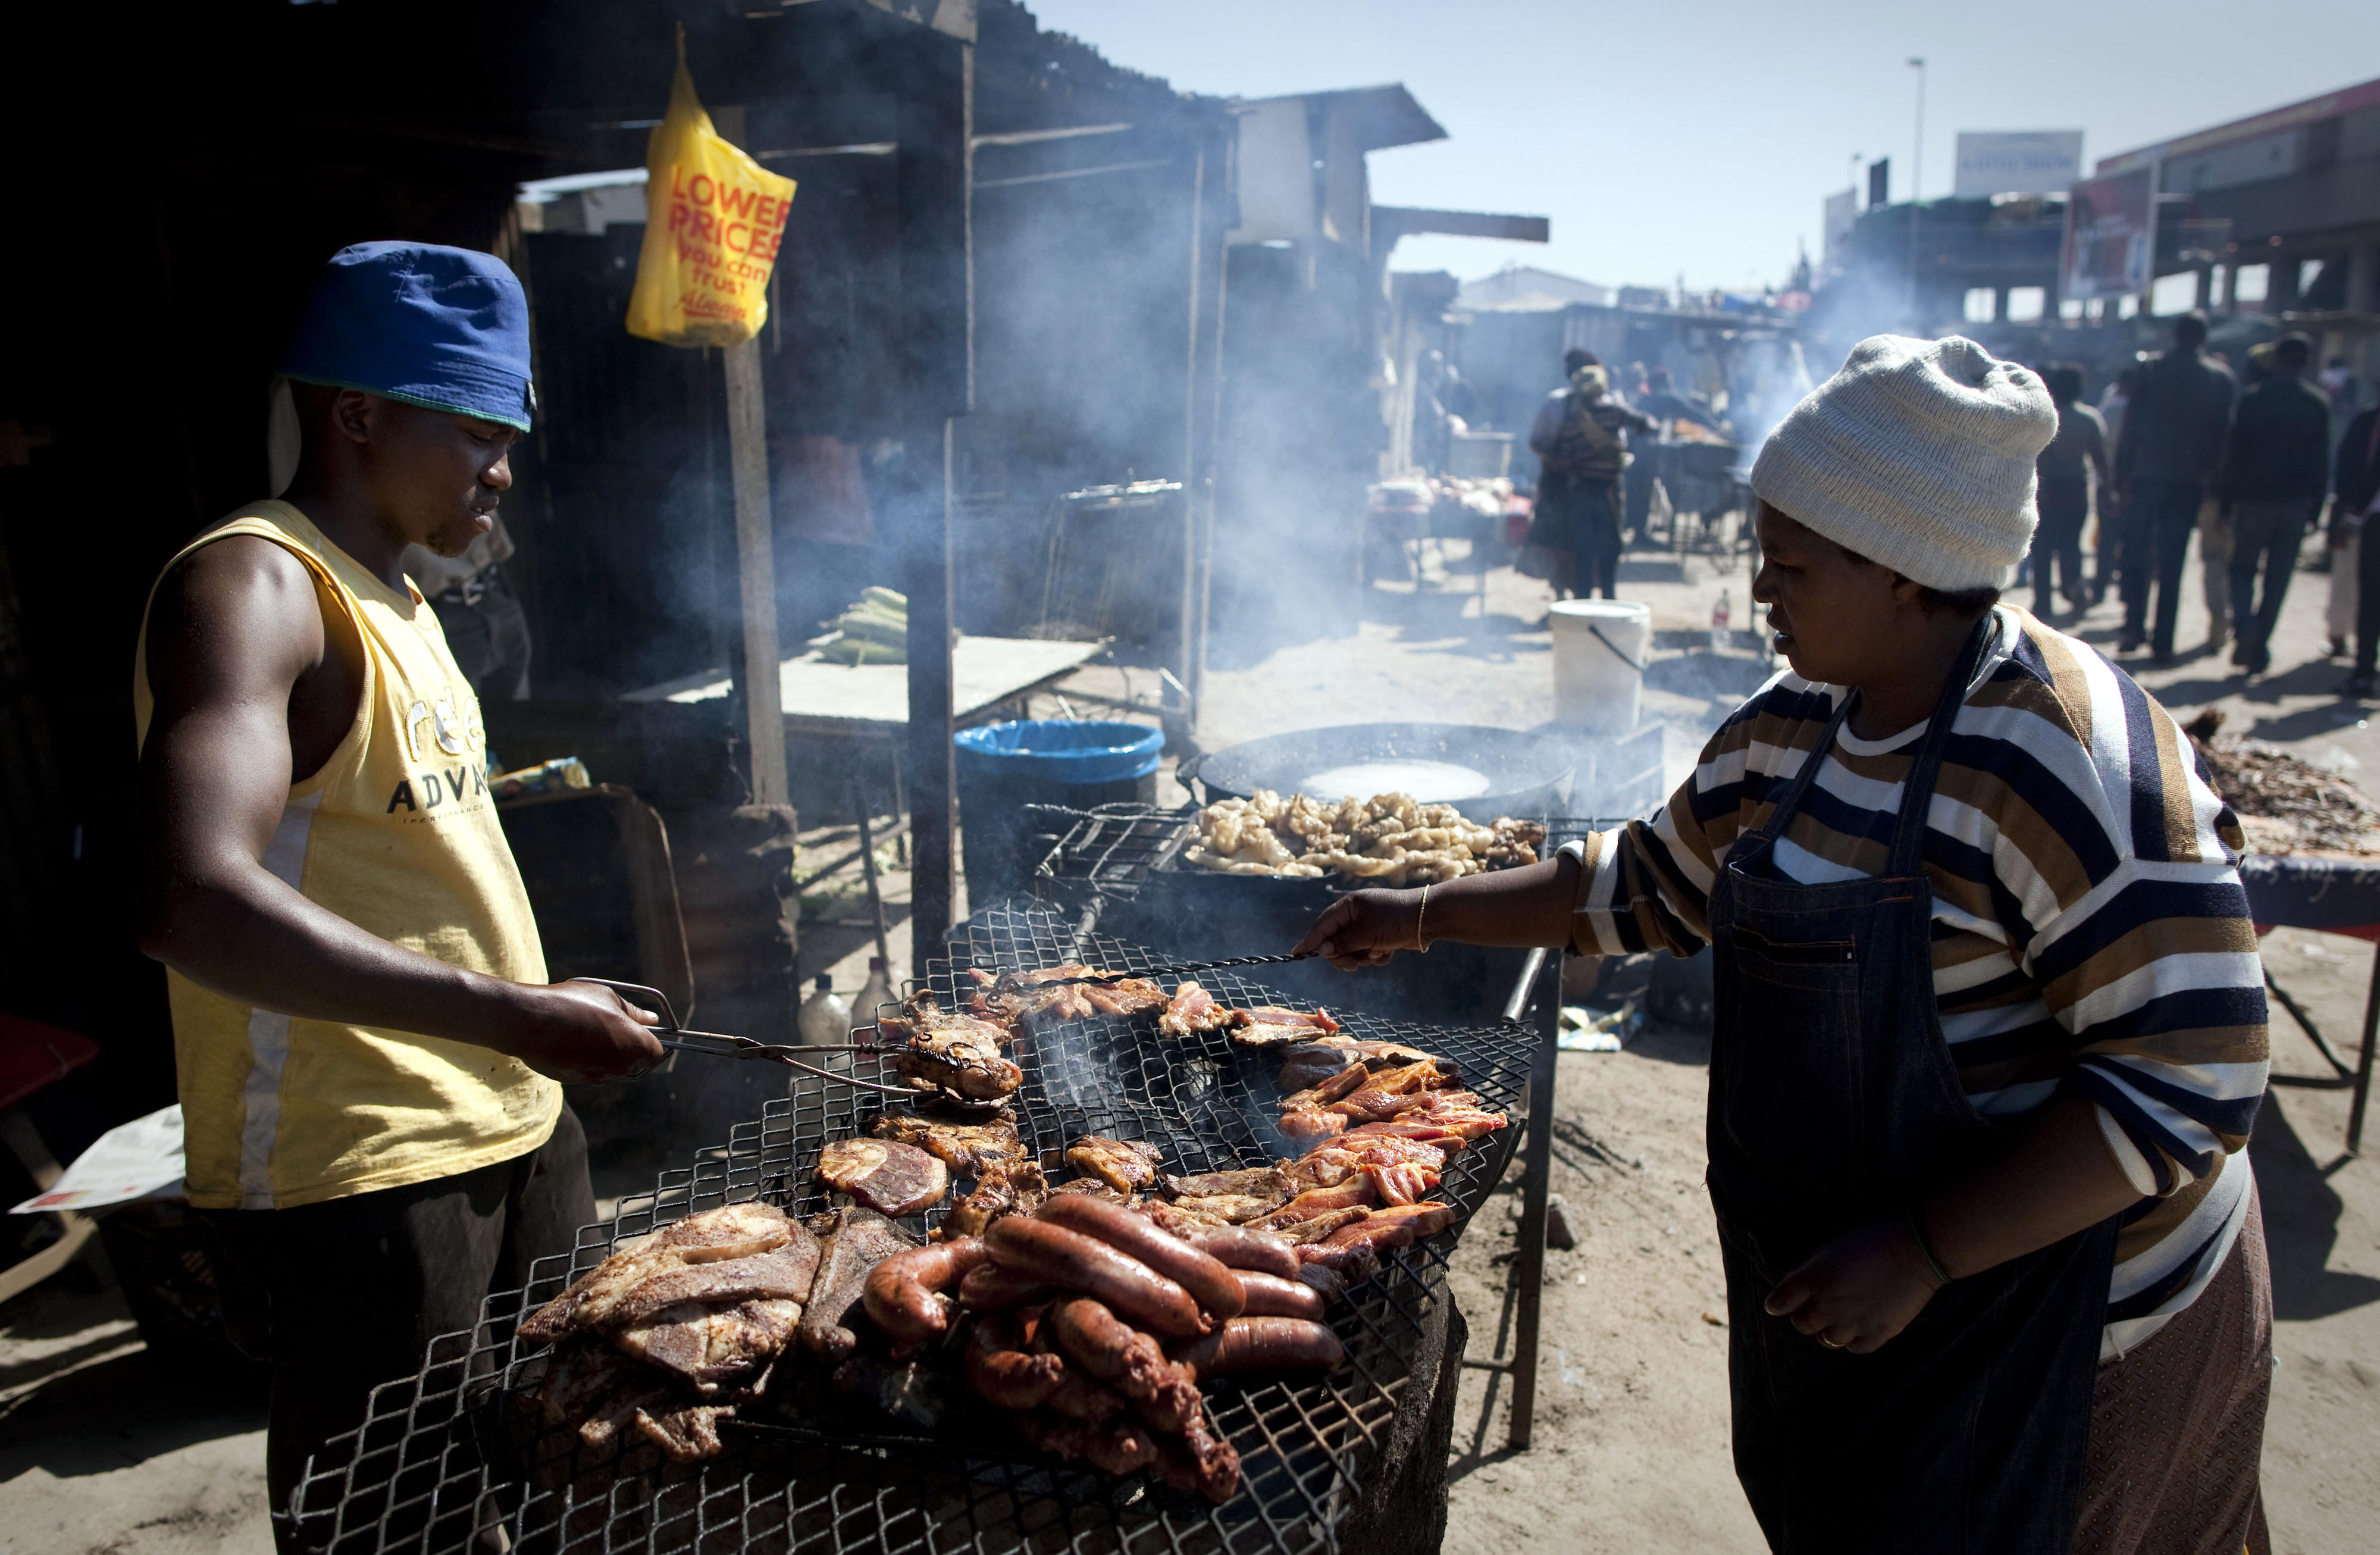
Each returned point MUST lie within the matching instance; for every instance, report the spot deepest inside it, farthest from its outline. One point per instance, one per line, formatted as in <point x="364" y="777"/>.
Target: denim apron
<point x="1833" y="1100"/>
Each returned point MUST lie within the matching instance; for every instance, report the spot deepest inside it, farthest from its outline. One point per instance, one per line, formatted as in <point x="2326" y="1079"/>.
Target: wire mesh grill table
<point x="455" y="1459"/>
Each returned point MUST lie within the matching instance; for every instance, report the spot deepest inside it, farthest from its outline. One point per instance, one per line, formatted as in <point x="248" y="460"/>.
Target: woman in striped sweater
<point x="1990" y="1032"/>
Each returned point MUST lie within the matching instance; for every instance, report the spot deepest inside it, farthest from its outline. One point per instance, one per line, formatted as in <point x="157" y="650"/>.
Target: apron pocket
<point x="1790" y="1096"/>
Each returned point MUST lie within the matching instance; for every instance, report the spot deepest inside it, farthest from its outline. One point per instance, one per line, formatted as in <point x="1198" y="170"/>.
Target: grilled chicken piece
<point x="1014" y="1188"/>
<point x="1269" y="1026"/>
<point x="1013" y="998"/>
<point x="1309" y="1063"/>
<point x="1126" y="1165"/>
<point x="1230" y="1209"/>
<point x="956" y="1053"/>
<point x="1385" y="1095"/>
<point x="730" y="1232"/>
<point x="968" y="1149"/>
<point x="1233" y="1198"/>
<point x="856" y="1242"/>
<point x="1345" y="1082"/>
<point x="1192" y="1012"/>
<point x="708" y="1346"/>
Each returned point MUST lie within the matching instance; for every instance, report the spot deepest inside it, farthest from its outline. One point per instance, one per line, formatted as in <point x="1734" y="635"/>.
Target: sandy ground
<point x="97" y="1454"/>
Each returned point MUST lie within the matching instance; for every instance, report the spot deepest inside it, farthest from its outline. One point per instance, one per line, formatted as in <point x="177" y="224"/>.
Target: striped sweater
<point x="2090" y="931"/>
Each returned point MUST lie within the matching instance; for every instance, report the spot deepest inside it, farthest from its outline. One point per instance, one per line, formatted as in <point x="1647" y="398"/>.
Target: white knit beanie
<point x="1918" y="455"/>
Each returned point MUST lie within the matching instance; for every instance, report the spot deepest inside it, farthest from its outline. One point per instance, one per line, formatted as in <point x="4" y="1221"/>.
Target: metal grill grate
<point x="447" y="1459"/>
<point x="1110" y="850"/>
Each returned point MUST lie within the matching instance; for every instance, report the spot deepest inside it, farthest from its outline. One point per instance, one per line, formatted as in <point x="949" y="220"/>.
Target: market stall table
<point x="2333" y="896"/>
<point x="823" y="698"/>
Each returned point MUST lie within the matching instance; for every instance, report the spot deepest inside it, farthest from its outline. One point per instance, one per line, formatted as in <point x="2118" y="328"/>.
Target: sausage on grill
<point x="1210" y="1283"/>
<point x="992" y="1287"/>
<point x="1075" y="1262"/>
<point x="1270" y="1296"/>
<point x="1262" y="1344"/>
<point x="902" y="1293"/>
<point x="1241" y="1249"/>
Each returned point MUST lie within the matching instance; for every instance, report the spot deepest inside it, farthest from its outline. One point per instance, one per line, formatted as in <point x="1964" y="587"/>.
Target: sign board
<point x="1843" y="213"/>
<point x="2110" y="237"/>
<point x="2017" y="162"/>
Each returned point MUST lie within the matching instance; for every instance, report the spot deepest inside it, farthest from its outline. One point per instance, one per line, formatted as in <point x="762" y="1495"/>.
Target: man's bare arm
<point x="232" y="633"/>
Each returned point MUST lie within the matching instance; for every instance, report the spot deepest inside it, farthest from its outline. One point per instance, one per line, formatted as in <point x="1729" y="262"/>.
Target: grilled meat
<point x="1267" y="1026"/>
<point x="956" y="1053"/>
<point x="1248" y="1180"/>
<point x="1402" y="1184"/>
<point x="783" y="1274"/>
<point x="690" y="1434"/>
<point x="1192" y="1012"/>
<point x="730" y="1232"/>
<point x="1309" y="1125"/>
<point x="1015" y="1000"/>
<point x="708" y="1346"/>
<point x="857" y="1242"/>
<point x="1304" y="1233"/>
<point x="1095" y="1185"/>
<point x="1336" y="1160"/>
<point x="1128" y="1166"/>
<point x="884" y="1174"/>
<point x="1129" y="997"/>
<point x="1309" y="1063"/>
<point x="1013" y="1189"/>
<point x="968" y="1148"/>
<point x="1385" y="1229"/>
<point x="1356" y="1192"/>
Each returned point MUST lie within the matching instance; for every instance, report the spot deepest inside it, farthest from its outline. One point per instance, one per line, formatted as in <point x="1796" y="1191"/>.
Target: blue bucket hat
<point x="447" y="329"/>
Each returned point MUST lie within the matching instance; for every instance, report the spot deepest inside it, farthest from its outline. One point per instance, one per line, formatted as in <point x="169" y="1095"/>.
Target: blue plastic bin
<point x="1004" y="767"/>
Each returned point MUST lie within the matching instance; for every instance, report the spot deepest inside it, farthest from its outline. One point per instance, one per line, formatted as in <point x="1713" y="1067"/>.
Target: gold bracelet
<point x="1421" y="917"/>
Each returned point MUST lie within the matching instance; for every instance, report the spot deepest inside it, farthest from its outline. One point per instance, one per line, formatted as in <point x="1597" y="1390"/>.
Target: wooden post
<point x="756" y="569"/>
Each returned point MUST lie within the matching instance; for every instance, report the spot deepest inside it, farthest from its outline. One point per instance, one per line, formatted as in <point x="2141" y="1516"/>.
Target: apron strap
<point x="1790" y="801"/>
<point x="1917" y="789"/>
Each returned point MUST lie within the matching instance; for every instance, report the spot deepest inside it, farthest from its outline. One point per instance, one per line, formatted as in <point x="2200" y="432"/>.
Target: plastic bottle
<point x="825" y="1020"/>
<point x="1720" y="614"/>
<point x="877" y="991"/>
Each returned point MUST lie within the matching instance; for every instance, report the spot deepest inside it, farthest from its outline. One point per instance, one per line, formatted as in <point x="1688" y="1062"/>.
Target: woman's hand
<point x="1365" y="928"/>
<point x="1859" y="1289"/>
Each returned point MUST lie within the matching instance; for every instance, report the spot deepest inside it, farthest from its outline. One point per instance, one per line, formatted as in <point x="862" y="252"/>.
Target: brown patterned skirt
<point x="2178" y="1425"/>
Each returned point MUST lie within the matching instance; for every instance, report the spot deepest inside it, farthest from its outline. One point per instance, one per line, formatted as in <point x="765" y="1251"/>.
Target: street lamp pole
<point x="1916" y="190"/>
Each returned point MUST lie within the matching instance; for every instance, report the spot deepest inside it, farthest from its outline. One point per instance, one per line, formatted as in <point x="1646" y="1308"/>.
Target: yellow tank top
<point x="397" y="834"/>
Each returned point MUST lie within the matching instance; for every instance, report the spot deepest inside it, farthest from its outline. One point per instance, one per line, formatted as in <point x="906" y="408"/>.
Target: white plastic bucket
<point x="1599" y="653"/>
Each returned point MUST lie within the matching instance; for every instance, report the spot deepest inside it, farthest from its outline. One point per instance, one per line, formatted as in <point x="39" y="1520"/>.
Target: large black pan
<point x="1527" y="774"/>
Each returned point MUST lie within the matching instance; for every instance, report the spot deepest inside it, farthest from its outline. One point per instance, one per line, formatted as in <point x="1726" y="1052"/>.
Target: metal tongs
<point x="716" y="1044"/>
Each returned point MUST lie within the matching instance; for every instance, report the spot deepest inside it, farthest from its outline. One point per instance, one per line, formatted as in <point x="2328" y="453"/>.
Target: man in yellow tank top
<point x="366" y="1043"/>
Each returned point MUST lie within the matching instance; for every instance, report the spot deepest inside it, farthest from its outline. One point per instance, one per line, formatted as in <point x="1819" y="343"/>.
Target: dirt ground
<point x="99" y="1457"/>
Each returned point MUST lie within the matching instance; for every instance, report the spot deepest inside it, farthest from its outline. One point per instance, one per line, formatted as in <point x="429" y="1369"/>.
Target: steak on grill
<point x="965" y="1147"/>
<point x="884" y="1174"/>
<point x="730" y="1232"/>
<point x="856" y="1242"/>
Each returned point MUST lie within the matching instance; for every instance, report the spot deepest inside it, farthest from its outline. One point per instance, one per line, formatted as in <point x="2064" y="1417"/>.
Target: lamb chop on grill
<point x="1006" y="1188"/>
<point x="856" y="1242"/>
<point x="1193" y="1012"/>
<point x="721" y="1236"/>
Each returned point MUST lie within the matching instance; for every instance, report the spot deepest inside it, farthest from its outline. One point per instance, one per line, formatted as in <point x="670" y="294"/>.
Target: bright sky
<point x="1705" y="138"/>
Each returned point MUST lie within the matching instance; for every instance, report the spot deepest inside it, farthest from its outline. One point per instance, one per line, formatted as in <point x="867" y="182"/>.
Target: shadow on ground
<point x="123" y="1412"/>
<point x="2301" y="1211"/>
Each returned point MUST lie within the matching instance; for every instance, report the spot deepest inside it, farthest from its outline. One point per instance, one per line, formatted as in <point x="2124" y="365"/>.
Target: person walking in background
<point x="2107" y="541"/>
<point x="2274" y="472"/>
<point x="2064" y="470"/>
<point x="2355" y="500"/>
<point x="2171" y="447"/>
<point x="1577" y="433"/>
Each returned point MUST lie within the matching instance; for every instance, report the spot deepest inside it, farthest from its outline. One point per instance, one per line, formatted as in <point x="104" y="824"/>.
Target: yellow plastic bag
<point x="713" y="218"/>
